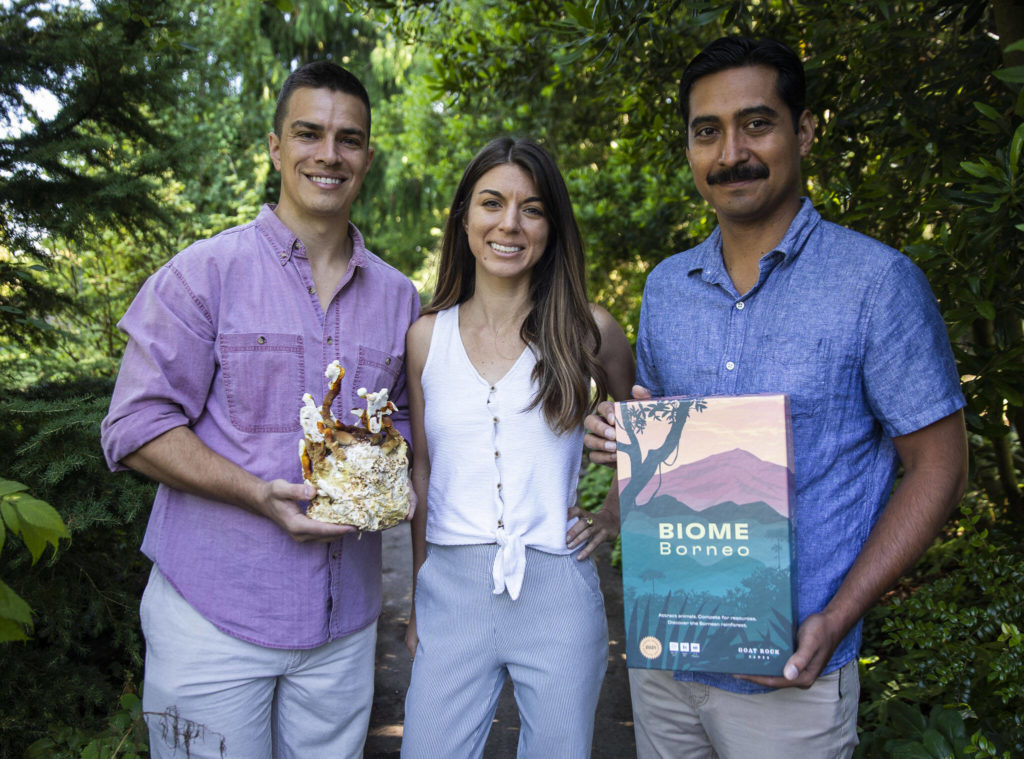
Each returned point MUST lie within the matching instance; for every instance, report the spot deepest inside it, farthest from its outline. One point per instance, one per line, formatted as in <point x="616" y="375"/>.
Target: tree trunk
<point x="984" y="340"/>
<point x="1009" y="20"/>
<point x="642" y="470"/>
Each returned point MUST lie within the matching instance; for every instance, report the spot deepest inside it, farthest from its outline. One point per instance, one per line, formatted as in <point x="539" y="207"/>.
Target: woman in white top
<point x="500" y="370"/>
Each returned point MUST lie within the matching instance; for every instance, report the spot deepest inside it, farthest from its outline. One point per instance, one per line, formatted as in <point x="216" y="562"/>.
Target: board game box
<point x="706" y="504"/>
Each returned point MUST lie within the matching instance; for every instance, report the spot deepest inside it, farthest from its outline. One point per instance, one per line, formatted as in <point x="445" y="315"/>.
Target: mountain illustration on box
<point x="715" y="482"/>
<point x="706" y="491"/>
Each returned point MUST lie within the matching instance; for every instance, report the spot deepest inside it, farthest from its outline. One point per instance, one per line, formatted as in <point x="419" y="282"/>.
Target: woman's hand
<point x="411" y="638"/>
<point x="593" y="528"/>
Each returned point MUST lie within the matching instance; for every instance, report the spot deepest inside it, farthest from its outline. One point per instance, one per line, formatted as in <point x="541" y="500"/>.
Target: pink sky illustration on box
<point x="731" y="451"/>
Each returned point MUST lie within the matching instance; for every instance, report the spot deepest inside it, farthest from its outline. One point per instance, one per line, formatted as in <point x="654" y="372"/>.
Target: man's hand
<point x="934" y="474"/>
<point x="280" y="503"/>
<point x="816" y="642"/>
<point x="181" y="460"/>
<point x="600" y="437"/>
<point x="413" y="502"/>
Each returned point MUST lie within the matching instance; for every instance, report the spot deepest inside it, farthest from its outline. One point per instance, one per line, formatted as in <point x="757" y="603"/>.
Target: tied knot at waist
<point x="509" y="564"/>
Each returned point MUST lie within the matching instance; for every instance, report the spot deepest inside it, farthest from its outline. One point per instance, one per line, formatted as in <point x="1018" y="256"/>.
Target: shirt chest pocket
<point x="377" y="369"/>
<point x="798" y="369"/>
<point x="263" y="376"/>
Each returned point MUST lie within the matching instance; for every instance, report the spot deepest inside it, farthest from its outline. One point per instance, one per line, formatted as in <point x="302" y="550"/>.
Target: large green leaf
<point x="15" y="615"/>
<point x="936" y="745"/>
<point x="1015" y="146"/>
<point x="38" y="523"/>
<point x="908" y="720"/>
<point x="981" y="169"/>
<point x="9" y="514"/>
<point x="1013" y="74"/>
<point x="11" y="631"/>
<point x="907" y="749"/>
<point x="951" y="725"/>
<point x="985" y="309"/>
<point x="8" y="487"/>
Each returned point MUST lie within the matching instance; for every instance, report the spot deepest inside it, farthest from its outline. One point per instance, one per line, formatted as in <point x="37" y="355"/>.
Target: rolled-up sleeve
<point x="167" y="367"/>
<point x="910" y="376"/>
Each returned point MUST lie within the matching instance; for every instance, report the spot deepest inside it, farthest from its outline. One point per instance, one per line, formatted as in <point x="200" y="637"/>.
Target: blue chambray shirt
<point x="850" y="330"/>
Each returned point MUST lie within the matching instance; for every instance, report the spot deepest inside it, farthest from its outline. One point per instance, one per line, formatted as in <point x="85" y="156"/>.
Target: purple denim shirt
<point x="225" y="339"/>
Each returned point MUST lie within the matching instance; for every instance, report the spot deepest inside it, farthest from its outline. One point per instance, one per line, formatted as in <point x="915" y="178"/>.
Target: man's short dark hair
<point x="316" y="75"/>
<point x="736" y="52"/>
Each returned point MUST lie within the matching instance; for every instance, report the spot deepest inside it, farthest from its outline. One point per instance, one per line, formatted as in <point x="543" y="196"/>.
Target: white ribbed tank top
<point x="498" y="473"/>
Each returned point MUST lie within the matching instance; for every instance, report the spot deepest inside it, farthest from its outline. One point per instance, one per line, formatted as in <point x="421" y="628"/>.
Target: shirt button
<point x="492" y="388"/>
<point x="387" y="361"/>
<point x="740" y="306"/>
<point x="730" y="365"/>
<point x="495" y="420"/>
<point x="496" y="454"/>
<point x="310" y="289"/>
<point x="334" y="555"/>
<point x="499" y="486"/>
<point x="330" y="341"/>
<point x="261" y="339"/>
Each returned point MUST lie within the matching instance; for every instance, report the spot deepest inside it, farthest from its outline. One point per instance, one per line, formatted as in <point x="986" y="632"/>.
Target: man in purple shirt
<point x="260" y="623"/>
<point x="777" y="300"/>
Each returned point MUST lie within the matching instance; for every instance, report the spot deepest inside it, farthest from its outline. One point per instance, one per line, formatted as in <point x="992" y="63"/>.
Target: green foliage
<point x="106" y="67"/>
<point x="594" y="486"/>
<point x="951" y="638"/>
<point x="125" y="737"/>
<point x="202" y="145"/>
<point x="527" y="70"/>
<point x="38" y="524"/>
<point x="159" y="139"/>
<point x="890" y="84"/>
<point x="215" y="125"/>
<point x="975" y="265"/>
<point x="96" y="162"/>
<point x="907" y="734"/>
<point x="86" y="636"/>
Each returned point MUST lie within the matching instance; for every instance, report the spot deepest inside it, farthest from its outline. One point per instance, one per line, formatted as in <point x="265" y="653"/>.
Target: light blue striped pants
<point x="552" y="641"/>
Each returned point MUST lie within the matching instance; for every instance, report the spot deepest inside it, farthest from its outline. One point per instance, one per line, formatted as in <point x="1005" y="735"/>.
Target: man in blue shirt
<point x="778" y="300"/>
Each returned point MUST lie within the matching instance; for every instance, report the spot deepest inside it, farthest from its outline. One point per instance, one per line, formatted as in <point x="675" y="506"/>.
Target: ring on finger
<point x="589" y="521"/>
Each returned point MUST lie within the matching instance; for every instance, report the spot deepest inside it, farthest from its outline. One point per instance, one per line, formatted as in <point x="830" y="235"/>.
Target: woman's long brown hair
<point x="559" y="327"/>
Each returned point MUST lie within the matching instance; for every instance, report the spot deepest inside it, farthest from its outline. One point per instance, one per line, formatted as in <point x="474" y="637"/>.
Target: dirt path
<point x="613" y="733"/>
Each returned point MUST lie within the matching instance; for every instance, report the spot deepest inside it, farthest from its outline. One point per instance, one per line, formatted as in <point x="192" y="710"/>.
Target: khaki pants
<point x="210" y="696"/>
<point x="686" y="720"/>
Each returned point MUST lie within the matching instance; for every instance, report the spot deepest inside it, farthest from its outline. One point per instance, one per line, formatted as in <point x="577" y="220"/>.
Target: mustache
<point x="738" y="174"/>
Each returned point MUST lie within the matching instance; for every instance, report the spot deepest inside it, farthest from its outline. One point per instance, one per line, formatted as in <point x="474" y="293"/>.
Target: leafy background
<point x="153" y="134"/>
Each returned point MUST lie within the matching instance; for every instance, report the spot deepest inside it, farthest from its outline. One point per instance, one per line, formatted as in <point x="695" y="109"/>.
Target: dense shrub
<point x="86" y="647"/>
<point x="908" y="734"/>
<point x="125" y="737"/>
<point x="950" y="637"/>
